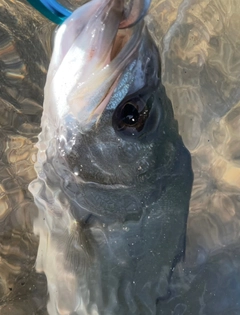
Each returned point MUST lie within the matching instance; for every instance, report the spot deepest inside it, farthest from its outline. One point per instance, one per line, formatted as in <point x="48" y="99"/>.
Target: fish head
<point x="109" y="112"/>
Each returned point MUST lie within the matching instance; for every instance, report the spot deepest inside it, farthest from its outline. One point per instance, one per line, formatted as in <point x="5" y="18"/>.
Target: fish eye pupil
<point x="130" y="114"/>
<point x="130" y="117"/>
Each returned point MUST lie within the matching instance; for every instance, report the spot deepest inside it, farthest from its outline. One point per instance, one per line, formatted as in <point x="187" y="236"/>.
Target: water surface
<point x="199" y="43"/>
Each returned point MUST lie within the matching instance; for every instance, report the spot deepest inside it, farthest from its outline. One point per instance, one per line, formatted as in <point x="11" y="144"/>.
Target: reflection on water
<point x="23" y="62"/>
<point x="199" y="42"/>
<point x="201" y="61"/>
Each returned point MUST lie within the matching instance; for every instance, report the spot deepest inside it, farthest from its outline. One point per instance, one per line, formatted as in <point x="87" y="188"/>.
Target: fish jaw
<point x="89" y="55"/>
<point x="81" y="47"/>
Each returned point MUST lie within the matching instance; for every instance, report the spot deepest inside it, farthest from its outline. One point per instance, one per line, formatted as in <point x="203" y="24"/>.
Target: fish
<point x="114" y="178"/>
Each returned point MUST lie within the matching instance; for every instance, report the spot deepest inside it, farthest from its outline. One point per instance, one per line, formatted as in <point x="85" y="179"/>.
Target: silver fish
<point x="114" y="177"/>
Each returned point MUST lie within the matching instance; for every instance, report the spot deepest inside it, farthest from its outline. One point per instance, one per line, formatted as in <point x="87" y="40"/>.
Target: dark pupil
<point x="130" y="114"/>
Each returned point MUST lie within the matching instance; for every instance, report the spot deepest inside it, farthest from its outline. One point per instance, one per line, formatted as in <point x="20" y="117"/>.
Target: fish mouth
<point x="90" y="55"/>
<point x="103" y="82"/>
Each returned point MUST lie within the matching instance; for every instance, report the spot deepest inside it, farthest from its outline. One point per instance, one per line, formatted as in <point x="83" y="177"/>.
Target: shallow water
<point x="199" y="42"/>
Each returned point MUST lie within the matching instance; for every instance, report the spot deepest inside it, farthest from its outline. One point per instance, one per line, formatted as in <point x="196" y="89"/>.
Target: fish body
<point x="114" y="177"/>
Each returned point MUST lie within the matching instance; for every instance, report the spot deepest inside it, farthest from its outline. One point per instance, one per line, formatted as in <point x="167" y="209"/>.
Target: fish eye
<point x="130" y="116"/>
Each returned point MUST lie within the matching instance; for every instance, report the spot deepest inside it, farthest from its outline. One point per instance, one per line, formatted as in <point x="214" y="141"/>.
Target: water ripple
<point x="199" y="41"/>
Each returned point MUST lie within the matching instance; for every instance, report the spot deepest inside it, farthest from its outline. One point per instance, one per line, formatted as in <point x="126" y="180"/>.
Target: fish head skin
<point x="112" y="159"/>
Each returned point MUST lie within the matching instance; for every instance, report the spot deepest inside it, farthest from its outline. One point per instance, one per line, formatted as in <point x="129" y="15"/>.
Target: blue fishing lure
<point x="51" y="9"/>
